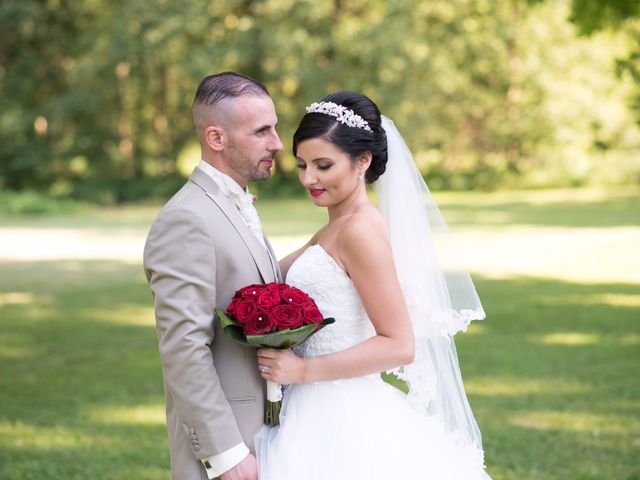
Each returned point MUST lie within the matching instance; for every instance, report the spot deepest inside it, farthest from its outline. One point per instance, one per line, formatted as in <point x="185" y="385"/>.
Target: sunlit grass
<point x="496" y="386"/>
<point x="568" y="338"/>
<point x="124" y="315"/>
<point x="15" y="298"/>
<point x="153" y="414"/>
<point x="21" y="435"/>
<point x="576" y="422"/>
<point x="551" y="374"/>
<point x="618" y="300"/>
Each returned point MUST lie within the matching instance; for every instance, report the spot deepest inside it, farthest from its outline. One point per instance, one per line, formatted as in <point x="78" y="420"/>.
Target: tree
<point x="95" y="96"/>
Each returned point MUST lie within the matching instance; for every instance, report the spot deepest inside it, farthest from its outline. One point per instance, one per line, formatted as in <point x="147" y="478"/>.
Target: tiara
<point x="342" y="114"/>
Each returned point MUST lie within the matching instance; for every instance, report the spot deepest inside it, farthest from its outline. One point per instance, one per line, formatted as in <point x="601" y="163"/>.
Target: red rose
<point x="251" y="290"/>
<point x="287" y="316"/>
<point x="260" y="324"/>
<point x="311" y="314"/>
<point x="244" y="309"/>
<point x="268" y="299"/>
<point x="295" y="296"/>
<point x="231" y="309"/>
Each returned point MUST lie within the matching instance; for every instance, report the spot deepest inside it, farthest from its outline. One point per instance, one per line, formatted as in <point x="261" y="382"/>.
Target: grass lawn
<point x="552" y="374"/>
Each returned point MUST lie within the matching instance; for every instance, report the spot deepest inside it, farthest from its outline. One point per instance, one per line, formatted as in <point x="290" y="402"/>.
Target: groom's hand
<point x="247" y="469"/>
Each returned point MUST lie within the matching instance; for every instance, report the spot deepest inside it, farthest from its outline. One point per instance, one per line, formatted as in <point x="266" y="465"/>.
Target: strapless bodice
<point x="317" y="273"/>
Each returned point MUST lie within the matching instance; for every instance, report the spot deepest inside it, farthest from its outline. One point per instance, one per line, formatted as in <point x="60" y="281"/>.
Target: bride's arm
<point x="365" y="251"/>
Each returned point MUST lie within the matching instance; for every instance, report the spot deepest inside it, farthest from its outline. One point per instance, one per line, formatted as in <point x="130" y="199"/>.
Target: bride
<point x="387" y="278"/>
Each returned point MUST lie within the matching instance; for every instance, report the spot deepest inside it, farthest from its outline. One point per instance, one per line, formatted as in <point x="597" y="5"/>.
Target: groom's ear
<point x="215" y="138"/>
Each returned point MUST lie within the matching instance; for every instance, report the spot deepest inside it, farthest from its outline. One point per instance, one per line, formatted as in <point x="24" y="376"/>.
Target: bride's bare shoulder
<point x="364" y="231"/>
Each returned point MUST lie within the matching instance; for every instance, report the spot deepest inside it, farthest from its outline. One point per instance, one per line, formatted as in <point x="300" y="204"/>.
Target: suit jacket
<point x="198" y="252"/>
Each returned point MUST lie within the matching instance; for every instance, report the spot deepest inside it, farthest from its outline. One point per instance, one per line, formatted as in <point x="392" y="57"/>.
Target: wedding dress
<point x="358" y="428"/>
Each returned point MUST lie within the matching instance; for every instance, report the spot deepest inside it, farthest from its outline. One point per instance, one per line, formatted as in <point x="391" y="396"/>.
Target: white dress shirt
<point x="218" y="464"/>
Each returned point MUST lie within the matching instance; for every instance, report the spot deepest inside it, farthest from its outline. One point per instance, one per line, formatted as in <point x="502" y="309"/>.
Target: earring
<point x="361" y="176"/>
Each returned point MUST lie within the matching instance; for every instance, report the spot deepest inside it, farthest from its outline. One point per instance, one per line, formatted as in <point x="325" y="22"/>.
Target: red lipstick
<point x="316" y="192"/>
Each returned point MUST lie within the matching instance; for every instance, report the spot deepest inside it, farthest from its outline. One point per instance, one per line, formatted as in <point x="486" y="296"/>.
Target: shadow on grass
<point x="551" y="375"/>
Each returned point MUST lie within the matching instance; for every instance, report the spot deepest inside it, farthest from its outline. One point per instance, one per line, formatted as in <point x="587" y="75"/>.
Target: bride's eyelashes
<point x="303" y="166"/>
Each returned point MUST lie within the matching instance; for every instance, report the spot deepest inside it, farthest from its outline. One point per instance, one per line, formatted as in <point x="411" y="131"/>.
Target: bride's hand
<point x="280" y="366"/>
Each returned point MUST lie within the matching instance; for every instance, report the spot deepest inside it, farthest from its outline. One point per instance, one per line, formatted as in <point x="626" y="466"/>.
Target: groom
<point x="206" y="243"/>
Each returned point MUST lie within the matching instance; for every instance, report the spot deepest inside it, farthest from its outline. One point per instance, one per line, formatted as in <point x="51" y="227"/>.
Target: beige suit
<point x="198" y="253"/>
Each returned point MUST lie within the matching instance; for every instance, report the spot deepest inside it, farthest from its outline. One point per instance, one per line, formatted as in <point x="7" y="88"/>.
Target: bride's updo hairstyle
<point x="352" y="140"/>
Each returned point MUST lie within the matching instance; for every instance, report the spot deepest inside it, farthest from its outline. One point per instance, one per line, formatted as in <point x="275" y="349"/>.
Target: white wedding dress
<point x="359" y="428"/>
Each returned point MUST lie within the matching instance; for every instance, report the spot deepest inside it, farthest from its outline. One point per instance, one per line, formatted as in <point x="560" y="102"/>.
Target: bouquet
<point x="275" y="315"/>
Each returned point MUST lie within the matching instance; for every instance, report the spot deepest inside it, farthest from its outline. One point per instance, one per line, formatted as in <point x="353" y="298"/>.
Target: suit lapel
<point x="259" y="254"/>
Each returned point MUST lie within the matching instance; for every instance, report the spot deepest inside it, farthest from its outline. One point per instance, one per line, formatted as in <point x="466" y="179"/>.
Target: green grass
<point x="552" y="374"/>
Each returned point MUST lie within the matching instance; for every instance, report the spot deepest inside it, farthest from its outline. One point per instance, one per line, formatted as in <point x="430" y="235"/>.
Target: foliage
<point x="29" y="202"/>
<point x="591" y="16"/>
<point x="95" y="95"/>
<point x="613" y="15"/>
<point x="617" y="14"/>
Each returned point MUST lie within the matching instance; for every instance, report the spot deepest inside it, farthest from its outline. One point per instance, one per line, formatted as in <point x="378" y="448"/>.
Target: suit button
<point x="196" y="447"/>
<point x="194" y="436"/>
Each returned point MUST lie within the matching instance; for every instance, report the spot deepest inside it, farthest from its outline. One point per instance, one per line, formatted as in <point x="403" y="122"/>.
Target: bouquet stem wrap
<point x="273" y="405"/>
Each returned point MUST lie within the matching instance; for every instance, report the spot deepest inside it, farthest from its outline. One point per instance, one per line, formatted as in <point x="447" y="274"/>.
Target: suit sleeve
<point x="180" y="266"/>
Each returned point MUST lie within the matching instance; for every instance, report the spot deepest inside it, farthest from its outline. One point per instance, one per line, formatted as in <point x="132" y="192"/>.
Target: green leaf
<point x="231" y="328"/>
<point x="286" y="338"/>
<point x="325" y="322"/>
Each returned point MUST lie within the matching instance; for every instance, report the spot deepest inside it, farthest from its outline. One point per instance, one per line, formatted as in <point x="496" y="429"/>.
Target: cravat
<point x="248" y="212"/>
<point x="244" y="202"/>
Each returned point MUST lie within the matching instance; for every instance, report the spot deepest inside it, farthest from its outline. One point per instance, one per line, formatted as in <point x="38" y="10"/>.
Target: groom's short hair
<point x="216" y="88"/>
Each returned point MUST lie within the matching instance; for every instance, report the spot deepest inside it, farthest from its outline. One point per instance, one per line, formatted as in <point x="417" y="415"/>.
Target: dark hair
<point x="351" y="140"/>
<point x="214" y="88"/>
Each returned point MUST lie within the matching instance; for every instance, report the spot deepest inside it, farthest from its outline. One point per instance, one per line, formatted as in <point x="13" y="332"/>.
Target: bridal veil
<point x="438" y="290"/>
